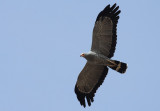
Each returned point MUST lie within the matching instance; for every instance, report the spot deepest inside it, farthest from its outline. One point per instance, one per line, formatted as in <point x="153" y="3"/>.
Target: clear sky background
<point x="40" y="46"/>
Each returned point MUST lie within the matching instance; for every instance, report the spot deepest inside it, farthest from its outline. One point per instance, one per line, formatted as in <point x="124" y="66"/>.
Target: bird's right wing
<point x="105" y="31"/>
<point x="89" y="79"/>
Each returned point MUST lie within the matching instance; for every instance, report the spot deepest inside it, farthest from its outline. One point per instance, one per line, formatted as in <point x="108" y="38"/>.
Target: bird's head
<point x="83" y="55"/>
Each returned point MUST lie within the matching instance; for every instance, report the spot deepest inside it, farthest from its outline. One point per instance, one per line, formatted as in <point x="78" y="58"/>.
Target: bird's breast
<point x="96" y="59"/>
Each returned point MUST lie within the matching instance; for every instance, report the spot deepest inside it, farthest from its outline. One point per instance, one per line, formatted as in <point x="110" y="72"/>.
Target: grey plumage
<point x="98" y="59"/>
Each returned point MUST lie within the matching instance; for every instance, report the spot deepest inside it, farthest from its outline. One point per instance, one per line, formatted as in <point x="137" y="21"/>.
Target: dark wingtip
<point x="90" y="96"/>
<point x="80" y="96"/>
<point x="113" y="6"/>
<point x="113" y="13"/>
<point x="117" y="13"/>
<point x="107" y="7"/>
<point x="88" y="100"/>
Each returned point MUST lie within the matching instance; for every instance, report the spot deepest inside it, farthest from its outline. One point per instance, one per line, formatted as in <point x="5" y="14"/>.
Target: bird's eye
<point x="82" y="55"/>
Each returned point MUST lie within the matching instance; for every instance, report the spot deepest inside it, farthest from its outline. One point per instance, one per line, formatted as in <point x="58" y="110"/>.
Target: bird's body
<point x="104" y="41"/>
<point x="95" y="58"/>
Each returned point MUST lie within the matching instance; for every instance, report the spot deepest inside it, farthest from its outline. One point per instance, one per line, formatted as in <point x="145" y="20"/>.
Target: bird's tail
<point x="118" y="66"/>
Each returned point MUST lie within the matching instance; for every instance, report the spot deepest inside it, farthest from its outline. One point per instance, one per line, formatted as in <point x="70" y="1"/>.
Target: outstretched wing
<point x="90" y="78"/>
<point x="104" y="32"/>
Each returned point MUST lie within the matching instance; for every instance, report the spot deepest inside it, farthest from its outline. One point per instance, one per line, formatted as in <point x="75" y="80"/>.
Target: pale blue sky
<point x="41" y="42"/>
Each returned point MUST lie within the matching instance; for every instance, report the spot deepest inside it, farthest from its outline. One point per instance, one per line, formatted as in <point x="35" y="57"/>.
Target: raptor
<point x="99" y="60"/>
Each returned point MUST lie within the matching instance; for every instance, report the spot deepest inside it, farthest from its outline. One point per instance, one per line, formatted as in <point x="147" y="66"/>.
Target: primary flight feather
<point x="99" y="57"/>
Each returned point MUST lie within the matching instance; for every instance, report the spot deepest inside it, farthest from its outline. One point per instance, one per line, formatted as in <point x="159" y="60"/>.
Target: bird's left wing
<point x="89" y="79"/>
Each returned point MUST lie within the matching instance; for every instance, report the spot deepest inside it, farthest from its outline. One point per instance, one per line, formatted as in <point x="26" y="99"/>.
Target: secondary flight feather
<point x="99" y="60"/>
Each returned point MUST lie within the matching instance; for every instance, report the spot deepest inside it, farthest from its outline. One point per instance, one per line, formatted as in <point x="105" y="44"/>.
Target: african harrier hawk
<point x="98" y="59"/>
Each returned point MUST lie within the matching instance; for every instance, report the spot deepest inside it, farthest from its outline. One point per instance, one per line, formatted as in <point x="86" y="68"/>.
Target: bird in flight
<point x="99" y="57"/>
